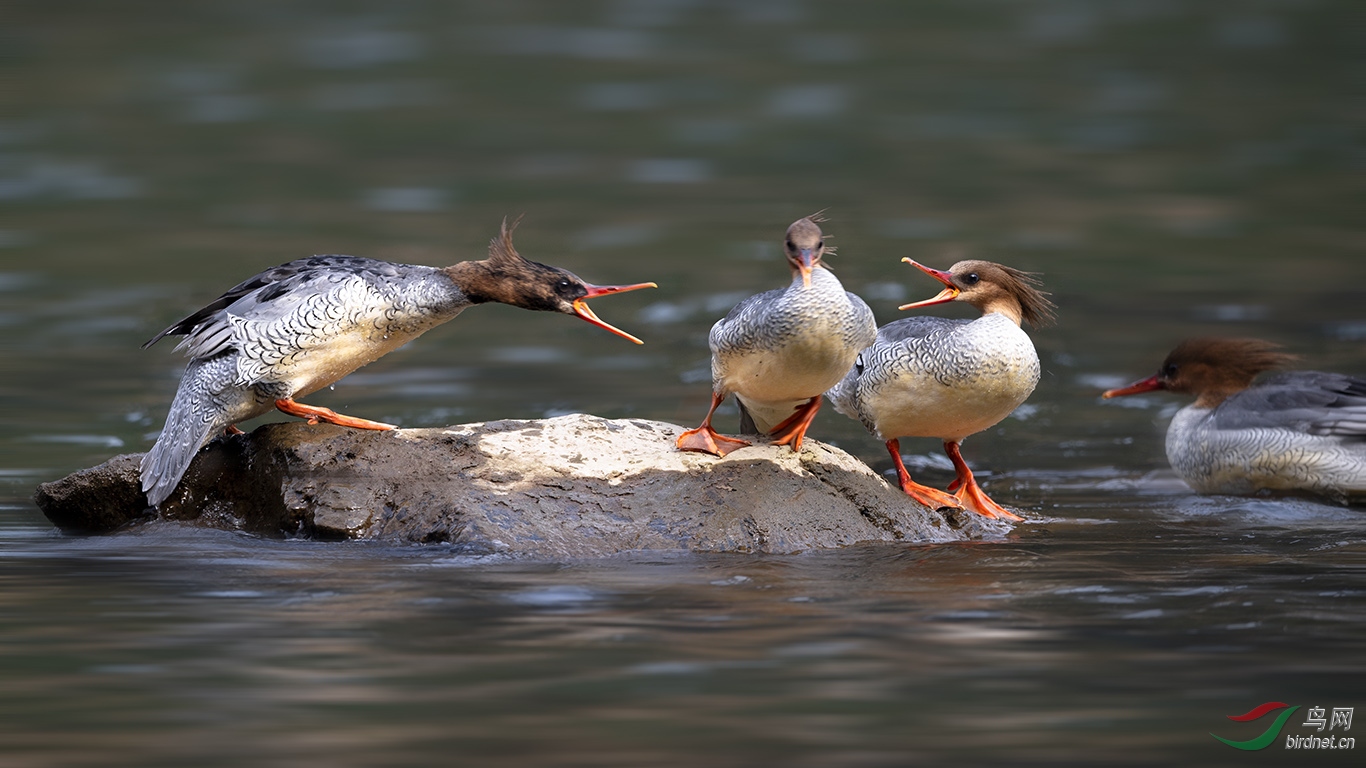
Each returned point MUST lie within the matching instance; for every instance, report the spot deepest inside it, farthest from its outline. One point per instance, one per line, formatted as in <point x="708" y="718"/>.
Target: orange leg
<point x="969" y="492"/>
<point x="793" y="428"/>
<point x="930" y="497"/>
<point x="232" y="429"/>
<point x="315" y="414"/>
<point x="707" y="440"/>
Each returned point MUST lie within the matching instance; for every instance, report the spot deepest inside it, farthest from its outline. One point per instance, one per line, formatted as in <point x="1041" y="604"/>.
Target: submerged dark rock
<point x="573" y="486"/>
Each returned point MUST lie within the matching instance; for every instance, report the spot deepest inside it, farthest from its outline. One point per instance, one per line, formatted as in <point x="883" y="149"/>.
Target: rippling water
<point x="1170" y="169"/>
<point x="1108" y="629"/>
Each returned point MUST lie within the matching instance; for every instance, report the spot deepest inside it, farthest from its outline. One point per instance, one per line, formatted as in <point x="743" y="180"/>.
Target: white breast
<point x="952" y="385"/>
<point x="782" y="348"/>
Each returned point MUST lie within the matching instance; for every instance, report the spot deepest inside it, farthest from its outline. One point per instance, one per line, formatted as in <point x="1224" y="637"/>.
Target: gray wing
<point x="895" y="351"/>
<point x="1306" y="401"/>
<point x="738" y="328"/>
<point x="273" y="284"/>
<point x="865" y="322"/>
<point x="844" y="395"/>
<point x="916" y="328"/>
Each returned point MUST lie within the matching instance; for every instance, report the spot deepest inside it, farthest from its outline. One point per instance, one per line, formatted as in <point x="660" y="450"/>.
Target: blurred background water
<point x="1170" y="168"/>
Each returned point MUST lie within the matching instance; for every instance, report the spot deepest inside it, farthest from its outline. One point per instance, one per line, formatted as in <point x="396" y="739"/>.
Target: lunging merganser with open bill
<point x="299" y="327"/>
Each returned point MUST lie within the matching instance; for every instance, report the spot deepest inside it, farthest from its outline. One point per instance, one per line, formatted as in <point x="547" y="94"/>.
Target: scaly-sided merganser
<point x="302" y="326"/>
<point x="1292" y="431"/>
<point x="778" y="351"/>
<point x="936" y="377"/>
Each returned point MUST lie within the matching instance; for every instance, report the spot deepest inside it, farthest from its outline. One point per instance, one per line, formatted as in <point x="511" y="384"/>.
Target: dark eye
<point x="971" y="278"/>
<point x="1169" y="370"/>
<point x="791" y="246"/>
<point x="821" y="244"/>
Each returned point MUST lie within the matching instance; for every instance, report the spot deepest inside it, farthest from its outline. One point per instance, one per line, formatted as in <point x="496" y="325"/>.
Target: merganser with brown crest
<point x="1291" y="431"/>
<point x="945" y="378"/>
<point x="778" y="351"/>
<point x="304" y="325"/>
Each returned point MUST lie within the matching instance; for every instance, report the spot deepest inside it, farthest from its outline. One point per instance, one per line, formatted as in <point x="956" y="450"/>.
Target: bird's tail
<point x="198" y="412"/>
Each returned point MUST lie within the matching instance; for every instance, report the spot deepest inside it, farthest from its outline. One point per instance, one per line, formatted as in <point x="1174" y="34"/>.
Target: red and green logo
<point x="1272" y="731"/>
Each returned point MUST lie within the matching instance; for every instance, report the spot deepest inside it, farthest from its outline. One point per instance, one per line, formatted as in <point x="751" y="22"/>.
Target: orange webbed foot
<point x="969" y="492"/>
<point x="704" y="439"/>
<point x="930" y="497"/>
<point x="974" y="498"/>
<point x="793" y="428"/>
<point x="314" y="414"/>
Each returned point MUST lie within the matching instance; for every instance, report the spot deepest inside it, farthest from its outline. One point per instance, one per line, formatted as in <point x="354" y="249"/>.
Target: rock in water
<point x="572" y="486"/>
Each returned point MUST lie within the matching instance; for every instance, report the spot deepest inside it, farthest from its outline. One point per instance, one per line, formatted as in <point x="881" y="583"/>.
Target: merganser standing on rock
<point x="944" y="378"/>
<point x="778" y="351"/>
<point x="1292" y="431"/>
<point x="302" y="326"/>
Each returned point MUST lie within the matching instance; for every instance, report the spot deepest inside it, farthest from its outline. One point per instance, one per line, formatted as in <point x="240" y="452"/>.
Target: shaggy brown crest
<point x="993" y="287"/>
<point x="501" y="251"/>
<point x="1210" y="368"/>
<point x="1214" y="368"/>
<point x="510" y="278"/>
<point x="1035" y="307"/>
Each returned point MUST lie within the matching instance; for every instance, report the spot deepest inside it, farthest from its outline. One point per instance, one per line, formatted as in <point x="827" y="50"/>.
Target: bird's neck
<point x="482" y="281"/>
<point x="1214" y="393"/>
<point x="1008" y="307"/>
<point x="818" y="279"/>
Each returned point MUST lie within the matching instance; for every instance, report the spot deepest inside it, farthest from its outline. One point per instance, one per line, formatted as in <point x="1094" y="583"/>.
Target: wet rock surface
<point x="572" y="486"/>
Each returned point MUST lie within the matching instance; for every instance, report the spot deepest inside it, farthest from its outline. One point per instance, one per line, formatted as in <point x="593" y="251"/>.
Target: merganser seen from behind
<point x="946" y="378"/>
<point x="779" y="351"/>
<point x="1291" y="431"/>
<point x="304" y="325"/>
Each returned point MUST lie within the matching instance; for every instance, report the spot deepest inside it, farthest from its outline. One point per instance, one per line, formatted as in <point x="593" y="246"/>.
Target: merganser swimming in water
<point x="778" y="351"/>
<point x="937" y="377"/>
<point x="1291" y="431"/>
<point x="302" y="326"/>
